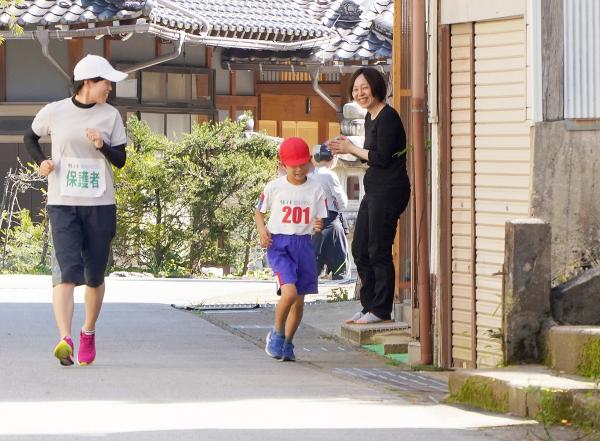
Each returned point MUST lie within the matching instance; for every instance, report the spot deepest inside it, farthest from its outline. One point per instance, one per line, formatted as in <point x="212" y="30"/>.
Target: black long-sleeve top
<point x="386" y="141"/>
<point x="116" y="155"/>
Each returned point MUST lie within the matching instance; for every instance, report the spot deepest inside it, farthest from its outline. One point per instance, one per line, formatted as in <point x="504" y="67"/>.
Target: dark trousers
<point x="331" y="247"/>
<point x="374" y="234"/>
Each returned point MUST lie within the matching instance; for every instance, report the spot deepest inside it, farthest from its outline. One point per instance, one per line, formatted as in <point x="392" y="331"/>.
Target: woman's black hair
<point x="77" y="85"/>
<point x="374" y="78"/>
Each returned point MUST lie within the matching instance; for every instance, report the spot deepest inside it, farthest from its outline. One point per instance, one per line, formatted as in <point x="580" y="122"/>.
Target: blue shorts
<point x="292" y="259"/>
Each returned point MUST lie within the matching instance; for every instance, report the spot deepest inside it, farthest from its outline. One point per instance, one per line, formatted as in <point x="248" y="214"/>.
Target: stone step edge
<point x="574" y="350"/>
<point x="364" y="335"/>
<point x="580" y="407"/>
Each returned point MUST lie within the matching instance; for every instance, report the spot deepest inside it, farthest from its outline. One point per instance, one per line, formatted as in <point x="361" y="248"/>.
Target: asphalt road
<point x="167" y="374"/>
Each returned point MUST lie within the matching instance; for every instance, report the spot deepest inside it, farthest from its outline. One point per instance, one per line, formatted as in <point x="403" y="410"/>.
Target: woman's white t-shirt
<point x="87" y="174"/>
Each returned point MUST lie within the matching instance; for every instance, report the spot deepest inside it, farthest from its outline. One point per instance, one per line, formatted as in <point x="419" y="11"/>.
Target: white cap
<point x="92" y="66"/>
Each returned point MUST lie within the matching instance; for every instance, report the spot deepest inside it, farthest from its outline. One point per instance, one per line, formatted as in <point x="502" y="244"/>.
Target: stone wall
<point x="566" y="192"/>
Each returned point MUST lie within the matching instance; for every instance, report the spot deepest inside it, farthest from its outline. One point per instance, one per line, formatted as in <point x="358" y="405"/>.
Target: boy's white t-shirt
<point x="66" y="124"/>
<point x="293" y="208"/>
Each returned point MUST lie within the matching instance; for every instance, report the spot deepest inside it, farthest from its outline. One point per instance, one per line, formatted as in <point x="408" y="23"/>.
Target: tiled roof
<point x="362" y="31"/>
<point x="281" y="20"/>
<point x="49" y="12"/>
<point x="365" y="29"/>
<point x="248" y="18"/>
<point x="359" y="29"/>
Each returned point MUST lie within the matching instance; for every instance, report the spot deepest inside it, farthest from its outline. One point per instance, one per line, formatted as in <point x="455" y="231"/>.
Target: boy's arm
<point x="263" y="233"/>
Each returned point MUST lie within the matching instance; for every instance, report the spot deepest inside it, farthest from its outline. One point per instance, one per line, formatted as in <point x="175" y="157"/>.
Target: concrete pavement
<point x="167" y="374"/>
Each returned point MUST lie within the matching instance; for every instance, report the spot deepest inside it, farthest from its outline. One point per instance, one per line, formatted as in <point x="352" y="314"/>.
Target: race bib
<point x="82" y="178"/>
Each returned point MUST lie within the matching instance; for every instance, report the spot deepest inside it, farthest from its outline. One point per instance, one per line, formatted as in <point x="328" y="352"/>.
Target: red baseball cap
<point x="294" y="151"/>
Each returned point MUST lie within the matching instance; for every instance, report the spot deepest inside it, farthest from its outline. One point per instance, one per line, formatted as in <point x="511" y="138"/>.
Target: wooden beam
<point x="223" y="101"/>
<point x="304" y="89"/>
<point x="157" y="47"/>
<point x="397" y="55"/>
<point x="75" y="52"/>
<point x="208" y="55"/>
<point x="106" y="48"/>
<point x="3" y="71"/>
<point x="445" y="136"/>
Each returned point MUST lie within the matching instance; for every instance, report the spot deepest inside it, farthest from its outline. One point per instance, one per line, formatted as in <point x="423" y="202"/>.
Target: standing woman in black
<point x="387" y="192"/>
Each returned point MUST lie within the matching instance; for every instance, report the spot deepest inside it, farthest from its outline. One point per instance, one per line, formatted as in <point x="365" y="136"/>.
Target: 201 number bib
<point x="294" y="215"/>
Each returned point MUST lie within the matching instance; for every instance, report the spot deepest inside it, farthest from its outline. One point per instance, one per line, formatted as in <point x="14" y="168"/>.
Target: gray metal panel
<point x="140" y="47"/>
<point x="582" y="58"/>
<point x="245" y="82"/>
<point x="222" y="75"/>
<point x="92" y="46"/>
<point x="30" y="76"/>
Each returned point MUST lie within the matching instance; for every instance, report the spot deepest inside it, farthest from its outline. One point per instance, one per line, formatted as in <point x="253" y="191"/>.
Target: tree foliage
<point x="187" y="204"/>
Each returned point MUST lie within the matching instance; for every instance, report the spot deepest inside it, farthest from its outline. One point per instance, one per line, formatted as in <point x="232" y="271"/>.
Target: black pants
<point x="374" y="234"/>
<point x="331" y="247"/>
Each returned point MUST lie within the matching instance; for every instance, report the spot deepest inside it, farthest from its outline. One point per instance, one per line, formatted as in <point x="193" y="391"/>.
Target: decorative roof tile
<point x="369" y="36"/>
<point x="283" y="19"/>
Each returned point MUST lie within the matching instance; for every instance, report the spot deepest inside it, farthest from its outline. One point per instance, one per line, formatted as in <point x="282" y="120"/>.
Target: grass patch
<point x="339" y="294"/>
<point x="479" y="393"/>
<point x="589" y="364"/>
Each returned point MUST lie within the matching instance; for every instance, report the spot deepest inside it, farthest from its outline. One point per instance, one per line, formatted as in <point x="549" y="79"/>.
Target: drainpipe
<point x="42" y="37"/>
<point x="162" y="58"/>
<point x="422" y="232"/>
<point x="314" y="75"/>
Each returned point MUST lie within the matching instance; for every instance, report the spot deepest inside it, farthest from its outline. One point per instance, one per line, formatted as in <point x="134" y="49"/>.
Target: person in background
<point x="331" y="246"/>
<point x="297" y="206"/>
<point x="387" y="192"/>
<point x="88" y="138"/>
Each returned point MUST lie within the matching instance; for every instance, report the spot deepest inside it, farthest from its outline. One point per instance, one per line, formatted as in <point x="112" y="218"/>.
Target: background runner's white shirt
<point x="334" y="192"/>
<point x="293" y="208"/>
<point x="66" y="124"/>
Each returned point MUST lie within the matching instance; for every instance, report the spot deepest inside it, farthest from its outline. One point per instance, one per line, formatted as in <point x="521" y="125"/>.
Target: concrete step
<point x="575" y="350"/>
<point x="375" y="333"/>
<point x="528" y="391"/>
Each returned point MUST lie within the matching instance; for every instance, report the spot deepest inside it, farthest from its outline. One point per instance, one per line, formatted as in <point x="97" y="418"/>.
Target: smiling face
<point x="297" y="174"/>
<point x="97" y="92"/>
<point x="362" y="93"/>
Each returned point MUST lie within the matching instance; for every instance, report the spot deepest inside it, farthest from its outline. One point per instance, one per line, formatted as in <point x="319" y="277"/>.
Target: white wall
<point x="462" y="11"/>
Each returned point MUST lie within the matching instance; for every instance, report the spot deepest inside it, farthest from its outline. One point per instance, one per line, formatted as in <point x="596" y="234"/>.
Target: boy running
<point x="297" y="206"/>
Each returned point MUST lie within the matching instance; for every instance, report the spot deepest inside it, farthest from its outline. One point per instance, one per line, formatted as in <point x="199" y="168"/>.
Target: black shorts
<point x="82" y="236"/>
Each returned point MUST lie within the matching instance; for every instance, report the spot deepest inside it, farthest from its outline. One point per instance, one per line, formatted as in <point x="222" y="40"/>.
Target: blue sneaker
<point x="287" y="354"/>
<point x="274" y="344"/>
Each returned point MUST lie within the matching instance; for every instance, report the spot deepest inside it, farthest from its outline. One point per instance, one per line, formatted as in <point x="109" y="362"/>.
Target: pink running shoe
<point x="64" y="351"/>
<point x="87" y="349"/>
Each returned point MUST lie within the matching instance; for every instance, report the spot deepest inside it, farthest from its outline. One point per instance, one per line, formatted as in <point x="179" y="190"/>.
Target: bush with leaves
<point x="26" y="246"/>
<point x="184" y="205"/>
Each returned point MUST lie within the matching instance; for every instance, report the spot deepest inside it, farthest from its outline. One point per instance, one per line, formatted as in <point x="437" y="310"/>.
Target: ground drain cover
<point x="406" y="381"/>
<point x="219" y="307"/>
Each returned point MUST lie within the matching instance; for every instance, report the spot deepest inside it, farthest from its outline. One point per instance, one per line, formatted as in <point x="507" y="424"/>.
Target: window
<point x="168" y="86"/>
<point x="170" y="99"/>
<point x="353" y="188"/>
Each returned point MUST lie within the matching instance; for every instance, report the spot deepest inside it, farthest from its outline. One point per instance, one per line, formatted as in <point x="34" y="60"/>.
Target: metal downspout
<point x="42" y="37"/>
<point x="314" y="75"/>
<point x="422" y="232"/>
<point x="162" y="58"/>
